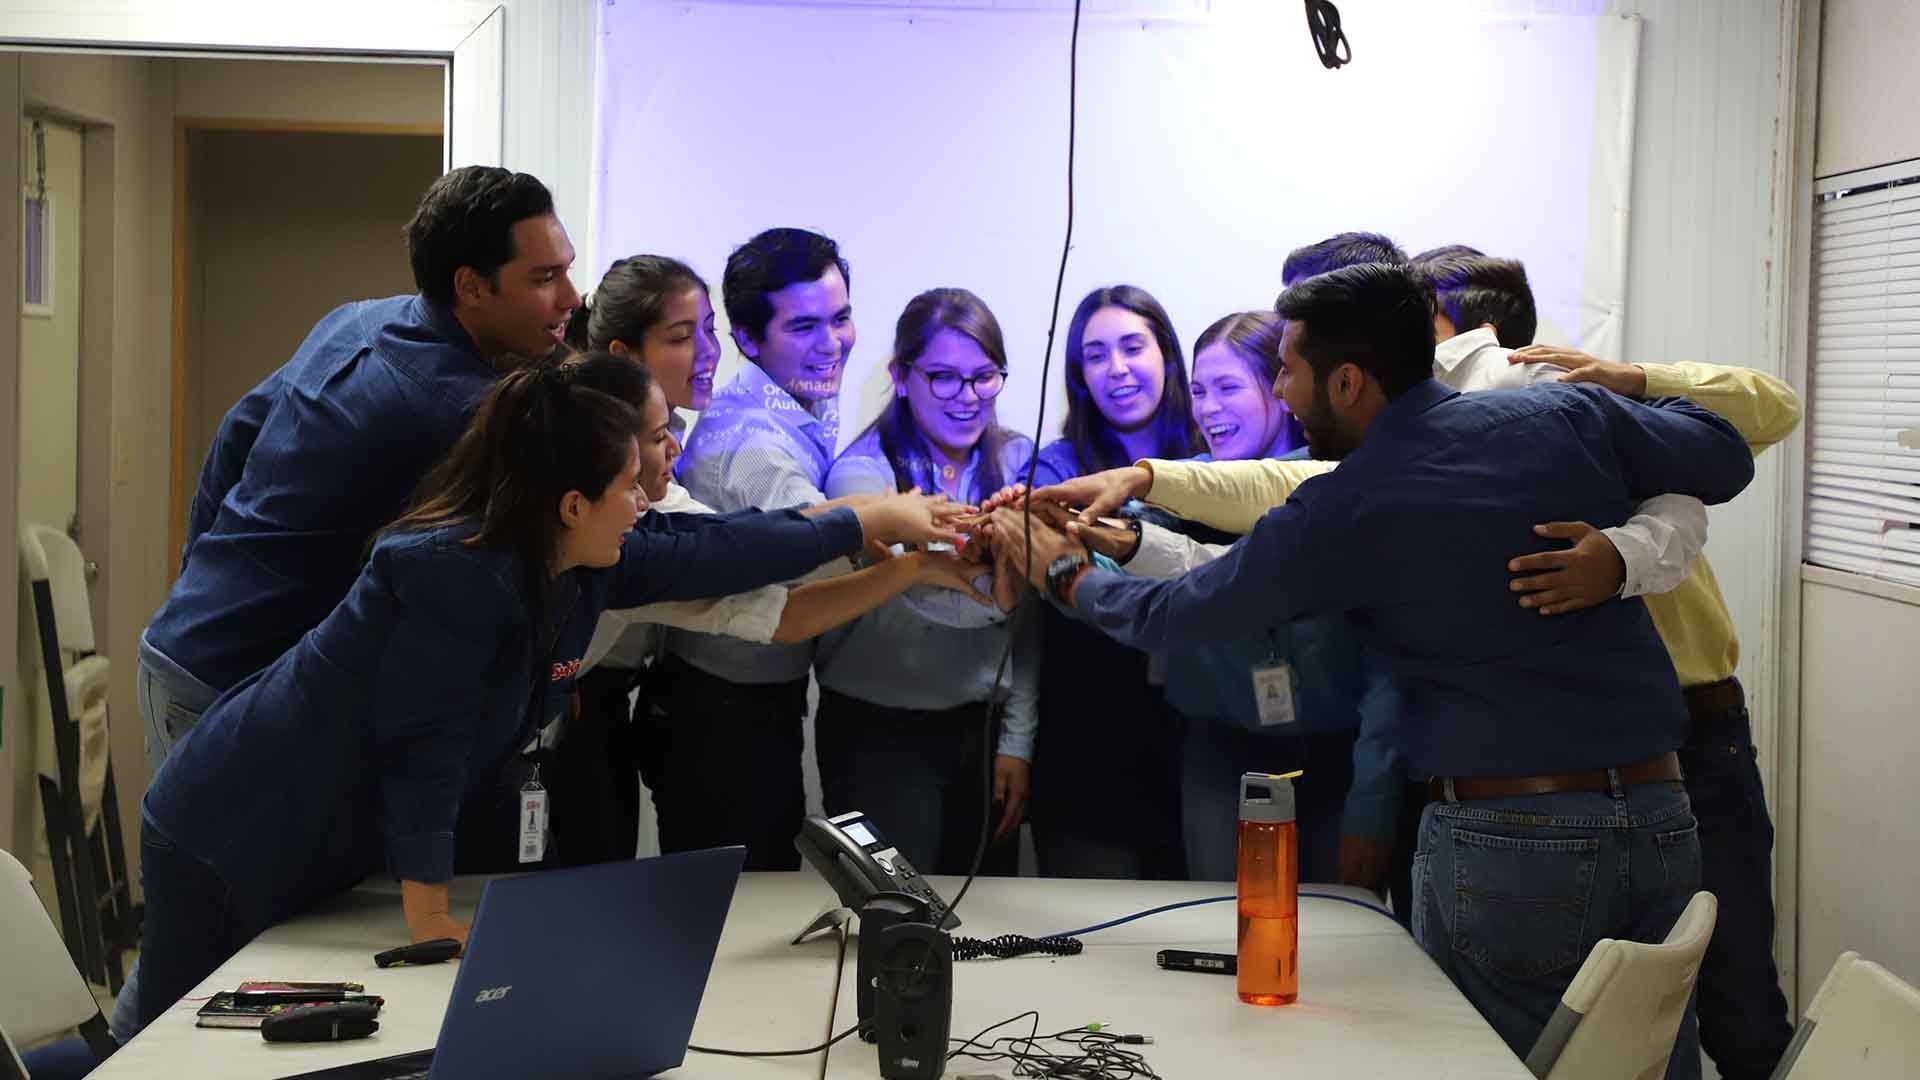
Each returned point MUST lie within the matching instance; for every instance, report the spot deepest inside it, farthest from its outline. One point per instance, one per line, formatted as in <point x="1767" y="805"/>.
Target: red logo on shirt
<point x="563" y="672"/>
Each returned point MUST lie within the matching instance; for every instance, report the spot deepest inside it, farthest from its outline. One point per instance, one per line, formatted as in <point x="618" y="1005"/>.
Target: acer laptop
<point x="594" y="973"/>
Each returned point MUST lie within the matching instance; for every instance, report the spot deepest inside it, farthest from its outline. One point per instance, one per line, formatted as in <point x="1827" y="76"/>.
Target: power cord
<point x="1090" y="1051"/>
<point x="774" y="1053"/>
<point x="995" y="700"/>
<point x="1096" y="927"/>
<point x="1008" y="946"/>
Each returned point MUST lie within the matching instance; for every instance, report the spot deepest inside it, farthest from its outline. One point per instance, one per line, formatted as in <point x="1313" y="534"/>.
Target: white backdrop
<point x="932" y="145"/>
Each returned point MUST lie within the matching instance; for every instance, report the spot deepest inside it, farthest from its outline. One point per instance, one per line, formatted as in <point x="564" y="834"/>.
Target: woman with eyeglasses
<point x="1103" y="725"/>
<point x="904" y="691"/>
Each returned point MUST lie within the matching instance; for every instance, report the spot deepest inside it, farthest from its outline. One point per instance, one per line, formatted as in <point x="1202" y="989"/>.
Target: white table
<point x="763" y="993"/>
<point x="1371" y="1002"/>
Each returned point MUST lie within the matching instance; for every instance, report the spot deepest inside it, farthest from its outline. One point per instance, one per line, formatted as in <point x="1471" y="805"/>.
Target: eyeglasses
<point x="945" y="385"/>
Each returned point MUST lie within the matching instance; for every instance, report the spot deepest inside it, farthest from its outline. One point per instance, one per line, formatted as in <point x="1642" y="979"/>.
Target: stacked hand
<point x="908" y="517"/>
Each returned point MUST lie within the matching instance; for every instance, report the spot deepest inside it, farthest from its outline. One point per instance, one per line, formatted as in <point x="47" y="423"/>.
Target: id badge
<point x="1273" y="693"/>
<point x="533" y="820"/>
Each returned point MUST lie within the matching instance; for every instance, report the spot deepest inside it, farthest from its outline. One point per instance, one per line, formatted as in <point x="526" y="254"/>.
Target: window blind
<point x="1863" y="457"/>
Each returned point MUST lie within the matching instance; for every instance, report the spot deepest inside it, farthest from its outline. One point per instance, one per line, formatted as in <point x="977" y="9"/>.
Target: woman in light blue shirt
<point x="905" y="691"/>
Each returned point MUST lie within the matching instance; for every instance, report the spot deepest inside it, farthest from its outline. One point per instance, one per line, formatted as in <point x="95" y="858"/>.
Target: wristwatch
<point x="1062" y="573"/>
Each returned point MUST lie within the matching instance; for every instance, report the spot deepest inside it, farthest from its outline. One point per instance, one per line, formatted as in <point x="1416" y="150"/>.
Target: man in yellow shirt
<point x="1743" y="1019"/>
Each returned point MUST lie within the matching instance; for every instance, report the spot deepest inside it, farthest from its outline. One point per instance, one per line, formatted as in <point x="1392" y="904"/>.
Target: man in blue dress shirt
<point x="1559" y="817"/>
<point x="724" y="714"/>
<point x="329" y="448"/>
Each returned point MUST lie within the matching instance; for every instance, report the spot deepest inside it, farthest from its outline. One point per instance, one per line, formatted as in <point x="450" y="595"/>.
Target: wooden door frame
<point x="177" y="489"/>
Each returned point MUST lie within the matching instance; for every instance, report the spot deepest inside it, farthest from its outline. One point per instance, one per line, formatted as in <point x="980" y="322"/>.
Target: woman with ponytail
<point x="355" y="750"/>
<point x="905" y="691"/>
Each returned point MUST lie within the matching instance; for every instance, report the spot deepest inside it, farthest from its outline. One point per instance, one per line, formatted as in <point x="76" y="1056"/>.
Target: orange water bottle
<point x="1269" y="888"/>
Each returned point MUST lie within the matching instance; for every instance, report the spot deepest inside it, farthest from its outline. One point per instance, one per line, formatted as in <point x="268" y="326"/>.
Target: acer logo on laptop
<point x="494" y="994"/>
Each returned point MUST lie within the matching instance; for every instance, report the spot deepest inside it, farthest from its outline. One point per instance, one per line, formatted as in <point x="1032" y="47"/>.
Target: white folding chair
<point x="1863" y="1024"/>
<point x="1618" y="1019"/>
<point x="42" y="994"/>
<point x="77" y="794"/>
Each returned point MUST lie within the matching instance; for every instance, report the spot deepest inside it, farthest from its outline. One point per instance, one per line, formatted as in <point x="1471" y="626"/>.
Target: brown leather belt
<point x="1472" y="788"/>
<point x="1711" y="700"/>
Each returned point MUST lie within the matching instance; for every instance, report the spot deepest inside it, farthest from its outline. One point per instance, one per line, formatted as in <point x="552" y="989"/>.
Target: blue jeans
<point x="170" y="701"/>
<point x="1511" y="894"/>
<point x="1743" y="1015"/>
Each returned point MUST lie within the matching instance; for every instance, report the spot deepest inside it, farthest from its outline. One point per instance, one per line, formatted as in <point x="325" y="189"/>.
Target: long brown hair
<point x="900" y="438"/>
<point x="546" y="429"/>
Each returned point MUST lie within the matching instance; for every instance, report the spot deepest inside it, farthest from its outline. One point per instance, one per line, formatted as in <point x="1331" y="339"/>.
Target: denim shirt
<point x="357" y="747"/>
<point x="756" y="446"/>
<point x="931" y="648"/>
<point x="304" y="469"/>
<point x="1411" y="537"/>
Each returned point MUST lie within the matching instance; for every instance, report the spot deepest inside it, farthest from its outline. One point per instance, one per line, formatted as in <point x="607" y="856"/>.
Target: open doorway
<point x="258" y="263"/>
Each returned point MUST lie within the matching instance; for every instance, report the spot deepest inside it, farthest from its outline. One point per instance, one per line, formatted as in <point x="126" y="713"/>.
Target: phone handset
<point x="850" y="852"/>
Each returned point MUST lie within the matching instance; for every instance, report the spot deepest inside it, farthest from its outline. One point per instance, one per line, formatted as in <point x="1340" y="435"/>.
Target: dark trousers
<point x="1743" y="1015"/>
<point x="1106" y="779"/>
<point x="192" y="925"/>
<point x="593" y="775"/>
<point x="921" y="775"/>
<point x="723" y="760"/>
<point x="1213" y="754"/>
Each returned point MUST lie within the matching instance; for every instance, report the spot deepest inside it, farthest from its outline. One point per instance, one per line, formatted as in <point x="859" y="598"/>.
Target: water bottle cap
<point x="1267" y="797"/>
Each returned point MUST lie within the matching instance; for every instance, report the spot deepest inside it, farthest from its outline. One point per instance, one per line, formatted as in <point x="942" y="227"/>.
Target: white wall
<point x="1868" y="82"/>
<point x="1859" y="852"/>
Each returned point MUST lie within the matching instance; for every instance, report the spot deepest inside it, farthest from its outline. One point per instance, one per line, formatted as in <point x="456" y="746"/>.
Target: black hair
<point x="1445" y="251"/>
<point x="900" y="438"/>
<point x="768" y="263"/>
<point x="466" y="218"/>
<point x="1255" y="336"/>
<point x="1093" y="440"/>
<point x="629" y="300"/>
<point x="1474" y="289"/>
<point x="1344" y="249"/>
<point x="1376" y="316"/>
